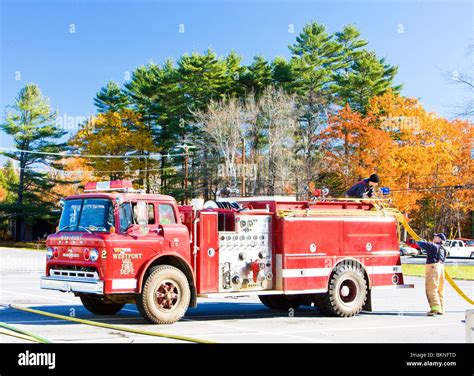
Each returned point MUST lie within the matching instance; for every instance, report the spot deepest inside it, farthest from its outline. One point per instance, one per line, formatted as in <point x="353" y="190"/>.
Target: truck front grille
<point x="91" y="274"/>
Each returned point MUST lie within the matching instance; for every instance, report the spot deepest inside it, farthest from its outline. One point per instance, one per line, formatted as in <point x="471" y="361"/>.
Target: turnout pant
<point x="435" y="286"/>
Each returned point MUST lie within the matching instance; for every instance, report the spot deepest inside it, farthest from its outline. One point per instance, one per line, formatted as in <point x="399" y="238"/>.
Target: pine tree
<point x="32" y="126"/>
<point x="282" y="73"/>
<point x="147" y="91"/>
<point x="258" y="76"/>
<point x="235" y="74"/>
<point x="316" y="55"/>
<point x="365" y="77"/>
<point x="110" y="98"/>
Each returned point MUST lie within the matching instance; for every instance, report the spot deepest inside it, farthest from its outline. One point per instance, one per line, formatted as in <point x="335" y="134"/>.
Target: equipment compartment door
<point x="208" y="257"/>
<point x="365" y="237"/>
<point x="310" y="246"/>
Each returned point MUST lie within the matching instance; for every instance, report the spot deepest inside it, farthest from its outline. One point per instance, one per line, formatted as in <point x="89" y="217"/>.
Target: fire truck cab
<point x="115" y="246"/>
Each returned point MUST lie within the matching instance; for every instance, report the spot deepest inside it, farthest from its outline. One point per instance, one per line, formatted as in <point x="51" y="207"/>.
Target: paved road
<point x="399" y="315"/>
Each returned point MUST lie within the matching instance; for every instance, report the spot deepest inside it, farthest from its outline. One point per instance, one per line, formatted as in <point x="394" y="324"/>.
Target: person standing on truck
<point x="364" y="188"/>
<point x="435" y="257"/>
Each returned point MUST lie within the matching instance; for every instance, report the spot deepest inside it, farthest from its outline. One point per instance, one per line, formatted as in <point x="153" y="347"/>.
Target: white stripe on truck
<point x="323" y="272"/>
<point x="124" y="283"/>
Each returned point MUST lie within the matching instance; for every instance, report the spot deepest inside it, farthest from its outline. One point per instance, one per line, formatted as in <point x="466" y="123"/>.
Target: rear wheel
<point x="165" y="295"/>
<point x="280" y="302"/>
<point x="100" y="307"/>
<point x="347" y="292"/>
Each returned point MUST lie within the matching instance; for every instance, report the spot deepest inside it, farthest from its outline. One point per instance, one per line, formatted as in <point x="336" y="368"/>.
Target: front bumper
<point x="86" y="285"/>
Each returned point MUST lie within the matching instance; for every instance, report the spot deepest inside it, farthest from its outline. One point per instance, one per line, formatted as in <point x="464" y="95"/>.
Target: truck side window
<point x="167" y="216"/>
<point x="126" y="217"/>
<point x="151" y="214"/>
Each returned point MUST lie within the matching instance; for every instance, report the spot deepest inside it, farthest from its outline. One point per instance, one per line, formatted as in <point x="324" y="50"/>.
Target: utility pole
<point x="243" y="167"/>
<point x="186" y="169"/>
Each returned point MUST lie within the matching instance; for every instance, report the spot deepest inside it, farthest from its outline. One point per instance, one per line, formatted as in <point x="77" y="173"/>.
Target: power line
<point x="92" y="171"/>
<point x="65" y="155"/>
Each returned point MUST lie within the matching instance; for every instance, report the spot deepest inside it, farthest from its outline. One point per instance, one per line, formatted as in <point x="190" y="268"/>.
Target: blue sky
<point x="424" y="38"/>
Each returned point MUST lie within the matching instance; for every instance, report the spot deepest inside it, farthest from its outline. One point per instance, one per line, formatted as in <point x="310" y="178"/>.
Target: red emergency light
<point x="112" y="185"/>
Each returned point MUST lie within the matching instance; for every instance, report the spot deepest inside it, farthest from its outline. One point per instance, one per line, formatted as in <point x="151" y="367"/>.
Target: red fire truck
<point x="115" y="246"/>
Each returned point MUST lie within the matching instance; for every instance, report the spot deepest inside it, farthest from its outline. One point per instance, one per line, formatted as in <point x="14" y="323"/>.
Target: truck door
<point x="175" y="236"/>
<point x="207" y="256"/>
<point x="133" y="244"/>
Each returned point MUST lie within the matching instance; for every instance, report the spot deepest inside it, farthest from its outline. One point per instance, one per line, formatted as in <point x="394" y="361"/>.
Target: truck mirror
<point x="142" y="213"/>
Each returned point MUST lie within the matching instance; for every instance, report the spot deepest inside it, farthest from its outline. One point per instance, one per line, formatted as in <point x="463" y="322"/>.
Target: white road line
<point x="73" y="299"/>
<point x="373" y="328"/>
<point x="129" y="310"/>
<point x="36" y="296"/>
<point x="257" y="315"/>
<point x="220" y="325"/>
<point x="25" y="322"/>
<point x="255" y="332"/>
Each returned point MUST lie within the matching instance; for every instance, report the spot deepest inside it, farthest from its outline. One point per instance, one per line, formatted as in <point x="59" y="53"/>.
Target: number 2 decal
<point x="104" y="254"/>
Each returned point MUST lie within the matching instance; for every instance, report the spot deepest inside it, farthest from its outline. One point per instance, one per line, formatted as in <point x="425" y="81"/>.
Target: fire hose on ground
<point x="101" y="325"/>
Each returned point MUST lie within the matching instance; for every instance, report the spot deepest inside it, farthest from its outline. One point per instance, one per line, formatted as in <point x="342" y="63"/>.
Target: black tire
<point x="347" y="292"/>
<point x="173" y="286"/>
<point x="472" y="254"/>
<point x="100" y="307"/>
<point x="280" y="302"/>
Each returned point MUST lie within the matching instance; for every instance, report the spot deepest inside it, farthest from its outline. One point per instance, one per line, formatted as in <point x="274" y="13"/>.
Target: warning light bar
<point x="112" y="185"/>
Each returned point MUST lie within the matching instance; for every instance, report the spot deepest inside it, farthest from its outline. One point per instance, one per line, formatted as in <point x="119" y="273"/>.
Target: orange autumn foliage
<point x="76" y="173"/>
<point x="415" y="152"/>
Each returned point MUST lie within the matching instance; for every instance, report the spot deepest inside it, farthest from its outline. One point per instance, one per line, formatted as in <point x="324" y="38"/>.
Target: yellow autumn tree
<point x="118" y="134"/>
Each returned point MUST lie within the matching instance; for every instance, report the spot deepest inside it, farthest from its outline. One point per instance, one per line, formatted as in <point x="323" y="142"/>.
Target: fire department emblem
<point x="127" y="267"/>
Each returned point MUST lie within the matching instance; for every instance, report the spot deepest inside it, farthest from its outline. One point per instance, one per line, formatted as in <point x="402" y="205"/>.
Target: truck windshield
<point x="88" y="215"/>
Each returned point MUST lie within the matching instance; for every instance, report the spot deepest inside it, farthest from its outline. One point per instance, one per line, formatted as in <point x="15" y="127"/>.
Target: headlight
<point x="94" y="255"/>
<point x="49" y="253"/>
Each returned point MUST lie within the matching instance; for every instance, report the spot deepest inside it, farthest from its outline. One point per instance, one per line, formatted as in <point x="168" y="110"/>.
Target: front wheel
<point x="347" y="292"/>
<point x="100" y="307"/>
<point x="165" y="295"/>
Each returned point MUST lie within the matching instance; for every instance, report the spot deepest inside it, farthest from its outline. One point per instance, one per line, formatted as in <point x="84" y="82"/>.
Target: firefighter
<point x="364" y="187"/>
<point x="435" y="256"/>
